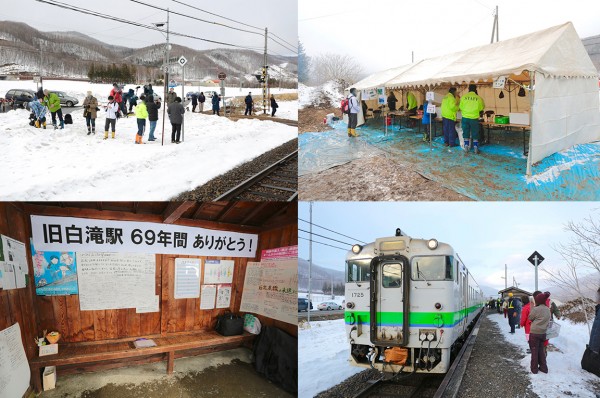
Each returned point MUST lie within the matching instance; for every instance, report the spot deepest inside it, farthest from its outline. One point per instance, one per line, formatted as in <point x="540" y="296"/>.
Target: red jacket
<point x="525" y="322"/>
<point x="117" y="95"/>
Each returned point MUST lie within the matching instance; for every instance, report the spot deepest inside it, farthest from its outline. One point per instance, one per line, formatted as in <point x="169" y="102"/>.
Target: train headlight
<point x="356" y="249"/>
<point x="432" y="244"/>
<point x="438" y="306"/>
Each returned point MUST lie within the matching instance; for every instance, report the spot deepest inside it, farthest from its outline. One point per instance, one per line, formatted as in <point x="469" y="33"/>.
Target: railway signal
<point x="536" y="259"/>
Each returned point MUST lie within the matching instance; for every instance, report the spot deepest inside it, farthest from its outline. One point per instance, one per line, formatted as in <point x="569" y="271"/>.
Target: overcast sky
<point x="486" y="235"/>
<point x="382" y="33"/>
<point x="281" y="17"/>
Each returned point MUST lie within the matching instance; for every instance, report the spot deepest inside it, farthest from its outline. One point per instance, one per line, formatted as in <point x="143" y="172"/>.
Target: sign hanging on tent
<point x="369" y="94"/>
<point x="430" y="108"/>
<point x="430" y="96"/>
<point x="499" y="82"/>
<point x="115" y="236"/>
<point x="381" y="99"/>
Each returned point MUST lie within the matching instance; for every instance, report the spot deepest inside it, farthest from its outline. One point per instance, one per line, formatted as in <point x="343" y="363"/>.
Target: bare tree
<point x="343" y="69"/>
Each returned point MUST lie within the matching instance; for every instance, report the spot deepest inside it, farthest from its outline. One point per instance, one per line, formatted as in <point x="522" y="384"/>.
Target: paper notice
<point x="187" y="278"/>
<point x="207" y="300"/>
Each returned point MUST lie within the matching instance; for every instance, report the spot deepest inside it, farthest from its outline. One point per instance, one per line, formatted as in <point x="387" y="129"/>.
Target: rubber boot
<point x="37" y="125"/>
<point x="106" y="134"/>
<point x="349" y="132"/>
<point x="353" y="132"/>
<point x="466" y="147"/>
<point x="113" y="135"/>
<point x="93" y="130"/>
<point x="425" y="137"/>
<point x="44" y="125"/>
<point x="62" y="124"/>
<point x="475" y="146"/>
<point x="89" y="130"/>
<point x="137" y="139"/>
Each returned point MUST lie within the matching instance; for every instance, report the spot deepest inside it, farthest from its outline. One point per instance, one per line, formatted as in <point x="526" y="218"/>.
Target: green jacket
<point x="449" y="107"/>
<point x="52" y="102"/>
<point x="141" y="112"/>
<point x="411" y="100"/>
<point x="470" y="105"/>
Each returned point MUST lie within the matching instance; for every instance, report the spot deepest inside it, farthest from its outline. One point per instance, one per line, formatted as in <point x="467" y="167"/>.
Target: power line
<point x="282" y="45"/>
<point x="197" y="19"/>
<point x="326" y="237"/>
<point x="217" y="15"/>
<point x="330" y="230"/>
<point x="293" y="45"/>
<point x="325" y="244"/>
<point x="104" y="16"/>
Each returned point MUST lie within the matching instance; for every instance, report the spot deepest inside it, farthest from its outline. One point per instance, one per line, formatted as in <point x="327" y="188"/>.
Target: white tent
<point x="552" y="63"/>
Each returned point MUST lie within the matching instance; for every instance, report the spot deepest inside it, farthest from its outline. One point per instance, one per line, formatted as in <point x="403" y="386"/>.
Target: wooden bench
<point x="89" y="352"/>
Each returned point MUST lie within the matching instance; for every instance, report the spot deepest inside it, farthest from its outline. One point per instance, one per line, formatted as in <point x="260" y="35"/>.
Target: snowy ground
<point x="327" y="94"/>
<point x="323" y="355"/>
<point x="67" y="164"/>
<point x="564" y="366"/>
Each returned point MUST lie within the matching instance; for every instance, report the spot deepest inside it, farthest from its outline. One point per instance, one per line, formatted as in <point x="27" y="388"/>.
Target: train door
<point x="465" y="301"/>
<point x="389" y="301"/>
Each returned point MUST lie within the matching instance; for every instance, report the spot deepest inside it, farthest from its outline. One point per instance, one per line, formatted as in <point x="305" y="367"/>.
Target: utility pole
<point x="265" y="75"/>
<point x="41" y="63"/>
<point x="496" y="27"/>
<point x="309" y="258"/>
<point x="166" y="71"/>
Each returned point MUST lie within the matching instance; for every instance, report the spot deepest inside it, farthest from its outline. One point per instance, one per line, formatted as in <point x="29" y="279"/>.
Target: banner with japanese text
<point x="92" y="235"/>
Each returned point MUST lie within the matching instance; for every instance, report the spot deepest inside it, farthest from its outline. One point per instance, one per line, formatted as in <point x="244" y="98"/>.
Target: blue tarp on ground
<point x="497" y="173"/>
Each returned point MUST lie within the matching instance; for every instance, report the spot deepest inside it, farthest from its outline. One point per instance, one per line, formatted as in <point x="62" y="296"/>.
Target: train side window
<point x="392" y="275"/>
<point x="449" y="261"/>
<point x="358" y="270"/>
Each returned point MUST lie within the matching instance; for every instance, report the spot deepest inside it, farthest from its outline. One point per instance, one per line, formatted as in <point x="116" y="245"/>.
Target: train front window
<point x="432" y="268"/>
<point x="392" y="275"/>
<point x="358" y="270"/>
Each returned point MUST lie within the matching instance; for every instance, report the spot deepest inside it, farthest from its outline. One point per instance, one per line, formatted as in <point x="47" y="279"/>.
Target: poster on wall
<point x="207" y="300"/>
<point x="271" y="286"/>
<point x="14" y="368"/>
<point x="115" y="236"/>
<point x="187" y="278"/>
<point x="110" y="281"/>
<point x="54" y="273"/>
<point x="368" y="94"/>
<point x="381" y="98"/>
<point x="218" y="271"/>
<point x="223" y="296"/>
<point x="13" y="261"/>
<point x="8" y="276"/>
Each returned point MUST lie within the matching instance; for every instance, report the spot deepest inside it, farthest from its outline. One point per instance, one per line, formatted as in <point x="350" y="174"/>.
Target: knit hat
<point x="541" y="299"/>
<point x="89" y="93"/>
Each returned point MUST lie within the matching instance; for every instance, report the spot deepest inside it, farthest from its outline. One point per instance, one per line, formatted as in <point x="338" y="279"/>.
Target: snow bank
<point x="565" y="376"/>
<point x="323" y="353"/>
<point x="324" y="96"/>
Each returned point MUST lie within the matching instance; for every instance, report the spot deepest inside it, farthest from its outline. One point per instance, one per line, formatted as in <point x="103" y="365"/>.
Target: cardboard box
<point x="49" y="379"/>
<point x="518" y="118"/>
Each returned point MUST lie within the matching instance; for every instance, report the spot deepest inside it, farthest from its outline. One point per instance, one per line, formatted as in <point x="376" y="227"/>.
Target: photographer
<point x="90" y="109"/>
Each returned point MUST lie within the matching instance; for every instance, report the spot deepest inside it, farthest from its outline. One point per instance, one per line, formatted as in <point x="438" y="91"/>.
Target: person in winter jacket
<point x="117" y="94"/>
<point x="194" y="102"/>
<point x="39" y="112"/>
<point x="52" y="101"/>
<point x="171" y="96"/>
<point x="90" y="106"/>
<point x="353" y="109"/>
<point x="595" y="334"/>
<point x="539" y="317"/>
<point x="216" y="103"/>
<point x="411" y="103"/>
<point x="427" y="117"/>
<point x="153" y="107"/>
<point x="111" y="116"/>
<point x="201" y="101"/>
<point x="391" y="101"/>
<point x="512" y="306"/>
<point x="274" y="105"/>
<point x="249" y="105"/>
<point x="176" y="111"/>
<point x="132" y="99"/>
<point x="524" y="320"/>
<point x="449" y="109"/>
<point x="148" y="90"/>
<point x="141" y="114"/>
<point x="470" y="105"/>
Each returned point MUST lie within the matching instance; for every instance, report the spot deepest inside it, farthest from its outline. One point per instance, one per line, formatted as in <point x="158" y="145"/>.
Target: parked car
<point x="20" y="97"/>
<point x="65" y="99"/>
<point x="303" y="305"/>
<point x="329" y="305"/>
<point x="188" y="95"/>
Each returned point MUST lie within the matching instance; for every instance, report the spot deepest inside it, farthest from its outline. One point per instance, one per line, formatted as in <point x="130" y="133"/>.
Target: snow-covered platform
<point x="497" y="173"/>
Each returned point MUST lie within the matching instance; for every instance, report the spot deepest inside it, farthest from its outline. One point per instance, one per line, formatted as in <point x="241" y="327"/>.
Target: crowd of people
<point x="535" y="315"/>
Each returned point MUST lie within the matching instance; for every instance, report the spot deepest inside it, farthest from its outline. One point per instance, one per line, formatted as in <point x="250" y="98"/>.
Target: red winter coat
<point x="525" y="322"/>
<point x="117" y="95"/>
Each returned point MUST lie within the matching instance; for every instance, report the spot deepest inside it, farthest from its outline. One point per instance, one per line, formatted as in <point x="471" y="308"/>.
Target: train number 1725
<point x="358" y="294"/>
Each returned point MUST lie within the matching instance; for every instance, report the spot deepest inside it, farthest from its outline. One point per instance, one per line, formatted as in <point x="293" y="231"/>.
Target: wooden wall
<point x="36" y="313"/>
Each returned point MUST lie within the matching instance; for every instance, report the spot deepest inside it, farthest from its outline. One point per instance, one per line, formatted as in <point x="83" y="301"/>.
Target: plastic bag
<point x="553" y="330"/>
<point x="251" y="324"/>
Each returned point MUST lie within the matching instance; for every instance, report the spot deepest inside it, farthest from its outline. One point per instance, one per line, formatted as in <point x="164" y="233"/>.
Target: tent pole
<point x="531" y="93"/>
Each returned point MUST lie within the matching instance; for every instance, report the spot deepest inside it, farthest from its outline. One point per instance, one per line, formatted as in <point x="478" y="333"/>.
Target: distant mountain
<point x="70" y="54"/>
<point x="592" y="45"/>
<point x="319" y="274"/>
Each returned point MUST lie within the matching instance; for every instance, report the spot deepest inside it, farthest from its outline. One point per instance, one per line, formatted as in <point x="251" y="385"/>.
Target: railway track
<point x="277" y="182"/>
<point x="425" y="384"/>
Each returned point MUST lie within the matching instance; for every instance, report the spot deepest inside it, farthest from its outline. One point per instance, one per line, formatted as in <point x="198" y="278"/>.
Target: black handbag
<point x="591" y="361"/>
<point x="230" y="324"/>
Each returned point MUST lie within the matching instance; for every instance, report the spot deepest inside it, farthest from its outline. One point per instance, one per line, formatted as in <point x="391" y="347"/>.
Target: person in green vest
<point x="52" y="101"/>
<point x="411" y="103"/>
<point x="449" y="109"/>
<point x="470" y="106"/>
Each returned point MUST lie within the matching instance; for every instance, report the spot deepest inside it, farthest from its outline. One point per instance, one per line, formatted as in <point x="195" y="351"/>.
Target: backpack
<point x="68" y="119"/>
<point x="345" y="106"/>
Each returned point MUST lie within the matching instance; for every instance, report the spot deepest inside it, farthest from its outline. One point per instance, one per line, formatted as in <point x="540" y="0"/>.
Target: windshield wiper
<point x="422" y="274"/>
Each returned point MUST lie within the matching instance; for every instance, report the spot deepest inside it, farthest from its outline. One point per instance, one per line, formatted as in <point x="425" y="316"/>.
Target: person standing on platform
<point x="90" y="107"/>
<point x="216" y="104"/>
<point x="141" y="114"/>
<point x="249" y="105"/>
<point x="152" y="106"/>
<point x="176" y="111"/>
<point x="201" y="101"/>
<point x="511" y="312"/>
<point x="449" y="109"/>
<point x="524" y="320"/>
<point x="353" y="109"/>
<point x="539" y="317"/>
<point x="470" y="106"/>
<point x="171" y="96"/>
<point x="194" y="102"/>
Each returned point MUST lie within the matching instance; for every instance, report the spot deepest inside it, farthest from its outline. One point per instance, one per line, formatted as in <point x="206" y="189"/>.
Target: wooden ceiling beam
<point x="175" y="210"/>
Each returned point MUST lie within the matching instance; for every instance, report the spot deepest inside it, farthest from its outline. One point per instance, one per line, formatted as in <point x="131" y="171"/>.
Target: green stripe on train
<point x="415" y="318"/>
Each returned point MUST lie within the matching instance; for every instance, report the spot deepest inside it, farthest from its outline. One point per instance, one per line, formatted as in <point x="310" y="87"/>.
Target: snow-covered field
<point x="67" y="164"/>
<point x="323" y="354"/>
<point x="327" y="94"/>
<point x="565" y="376"/>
